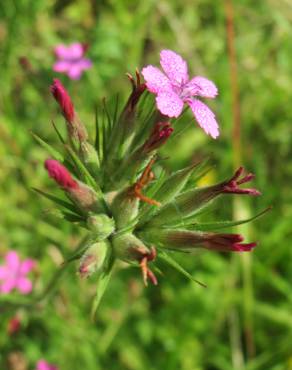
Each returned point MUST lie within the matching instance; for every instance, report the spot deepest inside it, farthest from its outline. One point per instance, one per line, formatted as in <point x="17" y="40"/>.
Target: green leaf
<point x="69" y="216"/>
<point x="84" y="173"/>
<point x="57" y="200"/>
<point x="102" y="283"/>
<point x="53" y="152"/>
<point x="98" y="135"/>
<point x="173" y="263"/>
<point x="58" y="133"/>
<point x="222" y="224"/>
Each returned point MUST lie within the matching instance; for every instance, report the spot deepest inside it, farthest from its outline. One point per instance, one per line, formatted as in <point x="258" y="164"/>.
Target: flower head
<point x="174" y="88"/>
<point x="44" y="365"/>
<point x="60" y="174"/>
<point x="71" y="60"/>
<point x="13" y="274"/>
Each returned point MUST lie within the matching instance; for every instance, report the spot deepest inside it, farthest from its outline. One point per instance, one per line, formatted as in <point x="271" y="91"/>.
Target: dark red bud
<point x="227" y="242"/>
<point x="232" y="186"/>
<point x="158" y="136"/>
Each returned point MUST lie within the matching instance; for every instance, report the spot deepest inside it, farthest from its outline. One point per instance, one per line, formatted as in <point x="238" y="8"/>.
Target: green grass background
<point x="243" y="320"/>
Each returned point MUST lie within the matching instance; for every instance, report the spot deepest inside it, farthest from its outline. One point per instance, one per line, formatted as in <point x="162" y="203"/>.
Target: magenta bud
<point x="75" y="127"/>
<point x="81" y="194"/>
<point x="63" y="99"/>
<point x="60" y="174"/>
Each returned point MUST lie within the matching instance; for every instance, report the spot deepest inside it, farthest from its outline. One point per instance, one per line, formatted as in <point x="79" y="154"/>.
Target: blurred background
<point x="243" y="319"/>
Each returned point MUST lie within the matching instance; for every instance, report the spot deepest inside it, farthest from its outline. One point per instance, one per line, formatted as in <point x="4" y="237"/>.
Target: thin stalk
<point x="239" y="207"/>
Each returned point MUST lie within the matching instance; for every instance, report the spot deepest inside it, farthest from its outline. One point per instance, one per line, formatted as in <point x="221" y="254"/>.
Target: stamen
<point x="145" y="178"/>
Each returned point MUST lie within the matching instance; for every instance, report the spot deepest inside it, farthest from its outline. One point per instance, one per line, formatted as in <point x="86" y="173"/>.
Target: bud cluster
<point x="113" y="192"/>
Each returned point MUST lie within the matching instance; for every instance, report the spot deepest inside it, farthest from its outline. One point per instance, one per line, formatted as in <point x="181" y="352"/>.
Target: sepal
<point x="101" y="226"/>
<point x="94" y="258"/>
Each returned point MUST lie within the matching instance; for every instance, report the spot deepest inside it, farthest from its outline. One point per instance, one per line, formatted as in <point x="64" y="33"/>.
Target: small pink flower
<point x="13" y="274"/>
<point x="60" y="174"/>
<point x="44" y="365"/>
<point x="174" y="88"/>
<point x="71" y="60"/>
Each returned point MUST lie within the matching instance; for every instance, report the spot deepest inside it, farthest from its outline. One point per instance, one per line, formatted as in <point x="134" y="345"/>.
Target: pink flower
<point x="44" y="365"/>
<point x="13" y="274"/>
<point x="71" y="60"/>
<point x="60" y="174"/>
<point x="174" y="88"/>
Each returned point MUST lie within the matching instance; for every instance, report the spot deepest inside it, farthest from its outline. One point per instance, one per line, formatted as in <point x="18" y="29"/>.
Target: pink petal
<point x="169" y="103"/>
<point x="71" y="52"/>
<point x="202" y="86"/>
<point x="156" y="81"/>
<point x="62" y="66"/>
<point x="75" y="51"/>
<point x="44" y="365"/>
<point x="24" y="285"/>
<point x="3" y="272"/>
<point x="26" y="266"/>
<point x="205" y="117"/>
<point x="75" y="72"/>
<point x="12" y="260"/>
<point x="8" y="285"/>
<point x="84" y="64"/>
<point x="174" y="66"/>
<point x="61" y="51"/>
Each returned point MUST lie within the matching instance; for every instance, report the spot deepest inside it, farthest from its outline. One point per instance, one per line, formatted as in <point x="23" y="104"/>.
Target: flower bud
<point x="125" y="207"/>
<point x="129" y="248"/>
<point x="81" y="194"/>
<point x="101" y="226"/>
<point x="192" y="202"/>
<point x="124" y="131"/>
<point x="94" y="258"/>
<point x="14" y="325"/>
<point x="174" y="185"/>
<point x="75" y="128"/>
<point x="60" y="174"/>
<point x="158" y="136"/>
<point x="185" y="240"/>
<point x="86" y="198"/>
